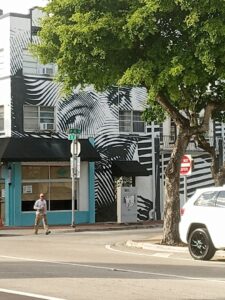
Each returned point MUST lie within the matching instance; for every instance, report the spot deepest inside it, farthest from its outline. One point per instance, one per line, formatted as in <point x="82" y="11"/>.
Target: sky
<point x="20" y="6"/>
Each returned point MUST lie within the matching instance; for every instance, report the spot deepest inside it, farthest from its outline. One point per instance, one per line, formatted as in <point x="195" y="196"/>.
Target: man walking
<point x="41" y="214"/>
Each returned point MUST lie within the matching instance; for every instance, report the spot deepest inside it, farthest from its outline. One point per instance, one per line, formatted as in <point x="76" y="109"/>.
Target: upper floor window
<point x="1" y="117"/>
<point x="35" y="29"/>
<point x="38" y="118"/>
<point x="32" y="66"/>
<point x="130" y="121"/>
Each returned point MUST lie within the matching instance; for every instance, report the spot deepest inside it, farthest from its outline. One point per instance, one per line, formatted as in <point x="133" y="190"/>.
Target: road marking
<point x="116" y="269"/>
<point x="29" y="294"/>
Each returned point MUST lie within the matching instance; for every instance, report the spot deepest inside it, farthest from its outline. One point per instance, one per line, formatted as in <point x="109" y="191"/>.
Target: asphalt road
<point x="98" y="265"/>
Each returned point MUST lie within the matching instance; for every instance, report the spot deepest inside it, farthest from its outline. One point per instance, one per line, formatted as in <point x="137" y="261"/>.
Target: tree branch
<point x="171" y="110"/>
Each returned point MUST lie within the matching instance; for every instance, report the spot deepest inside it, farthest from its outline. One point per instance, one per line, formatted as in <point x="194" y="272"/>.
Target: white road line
<point x="117" y="269"/>
<point x="29" y="294"/>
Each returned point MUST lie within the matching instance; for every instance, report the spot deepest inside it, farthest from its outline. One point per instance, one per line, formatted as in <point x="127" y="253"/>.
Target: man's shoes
<point x="47" y="232"/>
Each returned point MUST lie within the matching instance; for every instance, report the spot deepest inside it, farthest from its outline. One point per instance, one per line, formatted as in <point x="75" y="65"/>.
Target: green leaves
<point x="174" y="47"/>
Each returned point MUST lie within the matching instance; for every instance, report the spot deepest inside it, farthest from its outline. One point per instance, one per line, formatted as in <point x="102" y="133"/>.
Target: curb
<point x="156" y="247"/>
<point x="125" y="227"/>
<point x="164" y="248"/>
<point x="82" y="228"/>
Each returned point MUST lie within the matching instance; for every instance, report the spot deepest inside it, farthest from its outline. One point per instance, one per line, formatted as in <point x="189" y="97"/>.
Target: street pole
<point x="74" y="167"/>
<point x="185" y="188"/>
<point x="73" y="170"/>
<point x="153" y="165"/>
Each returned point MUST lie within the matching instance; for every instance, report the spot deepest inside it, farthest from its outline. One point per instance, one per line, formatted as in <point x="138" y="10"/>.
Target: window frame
<point x="31" y="66"/>
<point x="130" y="122"/>
<point x="38" y="117"/>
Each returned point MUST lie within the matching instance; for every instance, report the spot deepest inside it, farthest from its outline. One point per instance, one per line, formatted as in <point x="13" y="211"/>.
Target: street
<point x="99" y="265"/>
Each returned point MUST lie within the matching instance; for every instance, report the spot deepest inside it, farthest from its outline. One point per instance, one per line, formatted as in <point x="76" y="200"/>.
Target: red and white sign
<point x="185" y="168"/>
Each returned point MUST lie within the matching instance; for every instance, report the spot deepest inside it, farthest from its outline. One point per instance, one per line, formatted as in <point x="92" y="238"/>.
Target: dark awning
<point x="43" y="149"/>
<point x="128" y="168"/>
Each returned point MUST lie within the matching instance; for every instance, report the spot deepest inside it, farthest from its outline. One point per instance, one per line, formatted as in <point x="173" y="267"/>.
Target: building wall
<point x="96" y="114"/>
<point x="4" y="47"/>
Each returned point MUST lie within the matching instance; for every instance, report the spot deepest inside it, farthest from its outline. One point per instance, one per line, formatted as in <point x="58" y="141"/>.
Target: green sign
<point x="72" y="137"/>
<point x="74" y="130"/>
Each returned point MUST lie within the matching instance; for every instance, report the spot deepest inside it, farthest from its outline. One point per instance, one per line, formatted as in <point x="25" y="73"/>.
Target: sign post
<point x="74" y="167"/>
<point x="185" y="169"/>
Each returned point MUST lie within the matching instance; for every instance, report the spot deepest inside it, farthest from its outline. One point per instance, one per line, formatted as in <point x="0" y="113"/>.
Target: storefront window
<point x="35" y="172"/>
<point x="60" y="196"/>
<point x="52" y="180"/>
<point x="57" y="172"/>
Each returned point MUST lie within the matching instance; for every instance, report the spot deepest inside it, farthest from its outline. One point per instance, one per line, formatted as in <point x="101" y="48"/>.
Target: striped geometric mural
<point x="97" y="115"/>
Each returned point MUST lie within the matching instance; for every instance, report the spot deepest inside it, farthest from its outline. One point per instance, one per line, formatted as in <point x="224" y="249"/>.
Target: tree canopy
<point x="174" y="48"/>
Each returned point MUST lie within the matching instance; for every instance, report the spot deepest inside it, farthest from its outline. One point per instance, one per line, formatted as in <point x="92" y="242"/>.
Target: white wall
<point x="20" y="39"/>
<point x="5" y="45"/>
<point x="5" y="99"/>
<point x="10" y="27"/>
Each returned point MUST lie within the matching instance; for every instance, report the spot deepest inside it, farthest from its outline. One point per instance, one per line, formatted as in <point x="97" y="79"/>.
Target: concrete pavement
<point x="148" y="244"/>
<point x="99" y="226"/>
<point x="152" y="243"/>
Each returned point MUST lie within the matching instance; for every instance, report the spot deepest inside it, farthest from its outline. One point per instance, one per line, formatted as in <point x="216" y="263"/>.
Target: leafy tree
<point x="174" y="48"/>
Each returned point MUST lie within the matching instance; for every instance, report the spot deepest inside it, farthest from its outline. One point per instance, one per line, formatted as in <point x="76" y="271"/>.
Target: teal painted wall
<point x="91" y="190"/>
<point x="15" y="217"/>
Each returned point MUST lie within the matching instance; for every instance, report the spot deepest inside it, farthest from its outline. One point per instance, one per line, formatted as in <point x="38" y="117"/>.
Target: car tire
<point x="200" y="245"/>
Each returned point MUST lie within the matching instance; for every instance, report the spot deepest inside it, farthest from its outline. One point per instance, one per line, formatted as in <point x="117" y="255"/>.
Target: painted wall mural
<point x="97" y="115"/>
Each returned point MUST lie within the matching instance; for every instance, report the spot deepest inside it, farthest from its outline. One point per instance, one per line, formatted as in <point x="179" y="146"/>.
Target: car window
<point x="206" y="199"/>
<point x="220" y="201"/>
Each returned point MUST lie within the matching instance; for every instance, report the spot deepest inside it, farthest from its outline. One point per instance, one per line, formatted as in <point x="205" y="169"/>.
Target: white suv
<point x="203" y="221"/>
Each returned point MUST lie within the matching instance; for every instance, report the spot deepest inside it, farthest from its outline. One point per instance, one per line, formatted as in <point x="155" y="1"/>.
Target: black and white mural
<point x="97" y="115"/>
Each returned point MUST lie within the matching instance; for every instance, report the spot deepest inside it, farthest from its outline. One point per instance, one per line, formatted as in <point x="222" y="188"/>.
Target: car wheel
<point x="200" y="245"/>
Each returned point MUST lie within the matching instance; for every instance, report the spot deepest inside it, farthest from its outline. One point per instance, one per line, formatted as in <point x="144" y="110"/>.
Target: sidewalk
<point x="101" y="226"/>
<point x="152" y="243"/>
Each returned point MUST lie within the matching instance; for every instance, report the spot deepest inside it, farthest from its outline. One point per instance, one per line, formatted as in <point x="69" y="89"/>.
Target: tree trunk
<point x="172" y="187"/>
<point x="220" y="177"/>
<point x="218" y="174"/>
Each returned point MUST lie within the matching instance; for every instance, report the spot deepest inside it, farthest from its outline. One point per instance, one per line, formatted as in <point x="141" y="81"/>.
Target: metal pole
<point x="185" y="188"/>
<point x="73" y="182"/>
<point x="153" y="164"/>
